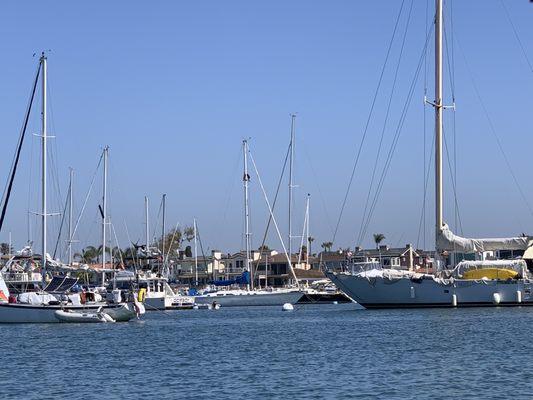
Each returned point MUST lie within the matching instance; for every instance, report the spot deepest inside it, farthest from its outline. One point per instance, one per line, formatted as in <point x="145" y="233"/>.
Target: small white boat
<point x="242" y="297"/>
<point x="83" y="317"/>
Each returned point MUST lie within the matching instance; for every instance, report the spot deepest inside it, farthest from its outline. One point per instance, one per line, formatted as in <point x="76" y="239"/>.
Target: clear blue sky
<point x="174" y="86"/>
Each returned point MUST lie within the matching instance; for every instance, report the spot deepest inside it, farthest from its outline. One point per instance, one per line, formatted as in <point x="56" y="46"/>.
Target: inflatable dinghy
<point x="82" y="317"/>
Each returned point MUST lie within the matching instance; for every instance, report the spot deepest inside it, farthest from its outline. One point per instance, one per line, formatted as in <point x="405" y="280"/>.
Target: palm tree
<point x="378" y="238"/>
<point x="87" y="255"/>
<point x="100" y="252"/>
<point x="116" y="253"/>
<point x="310" y="239"/>
<point x="327" y="246"/>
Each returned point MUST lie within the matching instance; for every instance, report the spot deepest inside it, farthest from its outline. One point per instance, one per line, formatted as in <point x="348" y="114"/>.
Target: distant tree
<point x="130" y="252"/>
<point x="189" y="233"/>
<point x="6" y="249"/>
<point x="327" y="246"/>
<point x="88" y="255"/>
<point x="378" y="238"/>
<point x="188" y="251"/>
<point x="172" y="241"/>
<point x="101" y="251"/>
<point x="117" y="253"/>
<point x="263" y="248"/>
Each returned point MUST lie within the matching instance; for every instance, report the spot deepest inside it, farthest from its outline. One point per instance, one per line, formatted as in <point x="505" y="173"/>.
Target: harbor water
<point x="313" y="352"/>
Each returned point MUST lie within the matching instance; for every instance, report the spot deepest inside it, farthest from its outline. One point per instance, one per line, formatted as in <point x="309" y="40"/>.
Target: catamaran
<point x="470" y="283"/>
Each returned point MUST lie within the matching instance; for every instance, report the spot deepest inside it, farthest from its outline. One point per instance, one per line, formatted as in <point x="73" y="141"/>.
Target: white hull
<point x="27" y="313"/>
<point x="251" y="298"/>
<point x="380" y="292"/>
<point x="168" y="302"/>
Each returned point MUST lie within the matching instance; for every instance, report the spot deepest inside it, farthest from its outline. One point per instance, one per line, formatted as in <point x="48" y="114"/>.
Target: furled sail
<point x="448" y="241"/>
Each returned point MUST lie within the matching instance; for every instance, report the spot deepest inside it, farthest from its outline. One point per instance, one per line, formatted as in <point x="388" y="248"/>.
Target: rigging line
<point x="397" y="134"/>
<point x="29" y="219"/>
<point x="7" y="191"/>
<point x="453" y="182"/>
<point x="424" y="180"/>
<point x="118" y="247"/>
<point x="87" y="195"/>
<point x="271" y="212"/>
<point x="449" y="63"/>
<point x="172" y="242"/>
<point x="451" y="69"/>
<point x="313" y="171"/>
<point x="395" y="80"/>
<point x="493" y="131"/>
<point x="202" y="249"/>
<point x="62" y="221"/>
<point x="517" y="36"/>
<point x="365" y="130"/>
<point x="273" y="202"/>
<point x="134" y="250"/>
<point x="154" y="238"/>
<point x="234" y="179"/>
<point x="422" y="221"/>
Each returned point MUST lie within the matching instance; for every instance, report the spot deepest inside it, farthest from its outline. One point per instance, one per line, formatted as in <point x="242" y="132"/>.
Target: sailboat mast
<point x="104" y="213"/>
<point x="291" y="162"/>
<point x="246" y="179"/>
<point x="44" y="167"/>
<point x="438" y="119"/>
<point x="147" y="227"/>
<point x="307" y="237"/>
<point x="71" y="202"/>
<point x="163" y="226"/>
<point x="195" y="254"/>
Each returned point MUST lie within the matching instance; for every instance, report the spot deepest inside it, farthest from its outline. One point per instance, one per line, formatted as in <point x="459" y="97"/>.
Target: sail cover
<point x="448" y="241"/>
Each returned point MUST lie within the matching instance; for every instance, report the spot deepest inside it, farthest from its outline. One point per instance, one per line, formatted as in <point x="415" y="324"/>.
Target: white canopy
<point x="448" y="241"/>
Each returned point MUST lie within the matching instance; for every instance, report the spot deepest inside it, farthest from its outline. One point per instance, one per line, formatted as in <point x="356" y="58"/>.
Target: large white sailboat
<point x="249" y="296"/>
<point x="470" y="283"/>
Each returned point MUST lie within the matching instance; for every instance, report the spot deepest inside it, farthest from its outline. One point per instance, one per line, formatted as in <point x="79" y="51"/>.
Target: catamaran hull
<point x="256" y="299"/>
<point x="26" y="313"/>
<point x="381" y="292"/>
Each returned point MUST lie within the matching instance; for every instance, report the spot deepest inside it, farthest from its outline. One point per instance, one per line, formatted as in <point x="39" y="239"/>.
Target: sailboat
<point x="470" y="283"/>
<point x="248" y="296"/>
<point x="39" y="307"/>
<point x="154" y="290"/>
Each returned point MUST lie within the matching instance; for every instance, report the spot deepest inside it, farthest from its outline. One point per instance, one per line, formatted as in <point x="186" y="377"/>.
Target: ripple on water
<point x="315" y="352"/>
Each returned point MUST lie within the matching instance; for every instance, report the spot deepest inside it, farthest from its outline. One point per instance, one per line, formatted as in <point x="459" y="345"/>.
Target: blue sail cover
<point x="244" y="279"/>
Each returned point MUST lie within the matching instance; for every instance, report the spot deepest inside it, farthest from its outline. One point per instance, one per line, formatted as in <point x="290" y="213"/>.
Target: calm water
<point x="317" y="351"/>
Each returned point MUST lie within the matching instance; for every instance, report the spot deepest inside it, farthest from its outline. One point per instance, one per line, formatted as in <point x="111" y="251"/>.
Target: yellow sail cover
<point x="490" y="273"/>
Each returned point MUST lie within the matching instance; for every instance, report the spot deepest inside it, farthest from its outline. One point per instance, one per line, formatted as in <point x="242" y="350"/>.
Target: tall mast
<point x="307" y="236"/>
<point x="291" y="161"/>
<point x="163" y="226"/>
<point x="438" y="118"/>
<point x="44" y="167"/>
<point x="71" y="202"/>
<point x="104" y="212"/>
<point x="246" y="180"/>
<point x="147" y="228"/>
<point x="195" y="254"/>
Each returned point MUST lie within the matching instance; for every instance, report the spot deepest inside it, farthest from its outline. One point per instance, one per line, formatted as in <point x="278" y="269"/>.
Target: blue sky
<point x="173" y="88"/>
